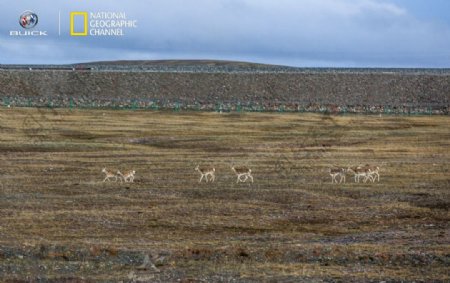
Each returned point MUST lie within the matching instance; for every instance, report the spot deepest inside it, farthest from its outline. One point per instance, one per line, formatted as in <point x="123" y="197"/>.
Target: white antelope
<point x="206" y="171"/>
<point x="242" y="171"/>
<point x="109" y="175"/>
<point x="360" y="171"/>
<point x="335" y="172"/>
<point x="374" y="172"/>
<point x="127" y="176"/>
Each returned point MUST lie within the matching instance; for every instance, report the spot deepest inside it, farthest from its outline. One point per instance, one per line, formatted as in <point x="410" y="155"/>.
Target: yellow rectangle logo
<point x="72" y="23"/>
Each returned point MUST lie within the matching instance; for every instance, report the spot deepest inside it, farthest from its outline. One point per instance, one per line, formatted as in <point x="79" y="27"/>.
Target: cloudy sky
<point x="306" y="33"/>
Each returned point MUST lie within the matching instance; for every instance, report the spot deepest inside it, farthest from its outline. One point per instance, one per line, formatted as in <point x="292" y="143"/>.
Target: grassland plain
<point x="60" y="223"/>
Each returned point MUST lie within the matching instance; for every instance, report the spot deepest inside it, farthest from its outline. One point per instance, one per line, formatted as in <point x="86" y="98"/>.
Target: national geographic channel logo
<point x="100" y="23"/>
<point x="28" y="20"/>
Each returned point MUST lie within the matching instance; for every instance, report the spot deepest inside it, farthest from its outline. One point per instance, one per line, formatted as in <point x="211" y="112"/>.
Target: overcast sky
<point x="306" y="33"/>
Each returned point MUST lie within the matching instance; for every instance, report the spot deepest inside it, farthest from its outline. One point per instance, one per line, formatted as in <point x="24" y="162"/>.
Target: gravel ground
<point x="361" y="91"/>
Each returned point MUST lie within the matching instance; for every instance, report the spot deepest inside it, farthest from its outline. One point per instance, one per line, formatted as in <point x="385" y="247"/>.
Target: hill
<point x="205" y="84"/>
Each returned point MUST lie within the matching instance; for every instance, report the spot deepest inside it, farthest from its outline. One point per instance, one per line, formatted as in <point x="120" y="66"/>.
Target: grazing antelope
<point x="109" y="174"/>
<point x="127" y="176"/>
<point x="242" y="171"/>
<point x="206" y="171"/>
<point x="360" y="171"/>
<point x="334" y="172"/>
<point x="373" y="170"/>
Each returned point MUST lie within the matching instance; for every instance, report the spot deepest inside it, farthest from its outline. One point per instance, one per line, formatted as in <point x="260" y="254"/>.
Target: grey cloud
<point x="294" y="32"/>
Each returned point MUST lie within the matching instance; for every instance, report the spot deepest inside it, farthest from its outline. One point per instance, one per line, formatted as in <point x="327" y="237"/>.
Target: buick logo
<point x="28" y="20"/>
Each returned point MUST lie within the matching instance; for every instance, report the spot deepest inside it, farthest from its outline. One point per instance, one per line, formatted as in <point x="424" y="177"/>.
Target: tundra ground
<point x="60" y="223"/>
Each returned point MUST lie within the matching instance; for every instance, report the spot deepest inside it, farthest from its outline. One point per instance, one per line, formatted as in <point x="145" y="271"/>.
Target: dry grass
<point x="60" y="222"/>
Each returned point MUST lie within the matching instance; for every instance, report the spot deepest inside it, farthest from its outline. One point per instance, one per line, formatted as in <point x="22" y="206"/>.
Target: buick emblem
<point x="28" y="20"/>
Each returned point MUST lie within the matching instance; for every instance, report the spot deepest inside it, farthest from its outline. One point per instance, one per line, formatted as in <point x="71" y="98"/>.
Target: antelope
<point x="206" y="171"/>
<point x="373" y="170"/>
<point x="127" y="176"/>
<point x="109" y="174"/>
<point x="361" y="172"/>
<point x="334" y="172"/>
<point x="242" y="171"/>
